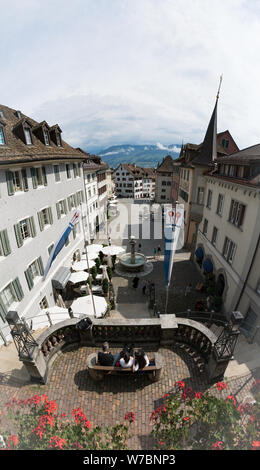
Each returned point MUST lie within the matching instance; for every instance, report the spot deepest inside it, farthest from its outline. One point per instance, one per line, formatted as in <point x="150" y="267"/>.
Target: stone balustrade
<point x="159" y="332"/>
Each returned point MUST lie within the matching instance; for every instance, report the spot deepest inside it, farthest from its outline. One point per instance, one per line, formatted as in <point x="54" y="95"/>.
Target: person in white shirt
<point x="141" y="360"/>
<point x="126" y="360"/>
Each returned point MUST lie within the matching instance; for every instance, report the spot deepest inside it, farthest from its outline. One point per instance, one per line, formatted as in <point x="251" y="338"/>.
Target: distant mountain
<point x="142" y="155"/>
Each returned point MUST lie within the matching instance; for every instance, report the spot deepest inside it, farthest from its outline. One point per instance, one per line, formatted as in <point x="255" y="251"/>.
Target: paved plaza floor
<point x="107" y="402"/>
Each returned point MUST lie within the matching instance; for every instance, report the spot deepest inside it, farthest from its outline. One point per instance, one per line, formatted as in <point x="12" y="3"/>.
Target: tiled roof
<point x="166" y="165"/>
<point x="16" y="150"/>
<point x="246" y="155"/>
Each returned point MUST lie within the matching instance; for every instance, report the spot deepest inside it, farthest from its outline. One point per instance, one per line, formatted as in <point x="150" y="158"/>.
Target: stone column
<point x="36" y="366"/>
<point x="168" y="324"/>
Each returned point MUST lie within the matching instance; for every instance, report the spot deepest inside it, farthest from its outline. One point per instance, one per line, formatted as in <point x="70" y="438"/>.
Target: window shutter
<point x="75" y="200"/>
<point x="45" y="182"/>
<point x="40" y="218"/>
<point x="9" y="181"/>
<point x="5" y="242"/>
<point x="34" y="178"/>
<point x="69" y="203"/>
<point x="40" y="264"/>
<point x="32" y="227"/>
<point x="74" y="170"/>
<point x="3" y="310"/>
<point x="82" y="196"/>
<point x="58" y="210"/>
<point x="25" y="180"/>
<point x="65" y="206"/>
<point x="18" y="235"/>
<point x="18" y="289"/>
<point x="50" y="215"/>
<point x="78" y="198"/>
<point x="29" y="278"/>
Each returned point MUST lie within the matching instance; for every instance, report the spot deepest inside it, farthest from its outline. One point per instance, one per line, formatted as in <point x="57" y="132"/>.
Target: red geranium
<point x="57" y="441"/>
<point x="217" y="445"/>
<point x="130" y="417"/>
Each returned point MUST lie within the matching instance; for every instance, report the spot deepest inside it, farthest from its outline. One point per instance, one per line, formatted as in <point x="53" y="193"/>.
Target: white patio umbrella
<point x="94" y="247"/>
<point x="92" y="255"/>
<point x="78" y="276"/>
<point x="113" y="250"/>
<point x="85" y="305"/>
<point x="82" y="265"/>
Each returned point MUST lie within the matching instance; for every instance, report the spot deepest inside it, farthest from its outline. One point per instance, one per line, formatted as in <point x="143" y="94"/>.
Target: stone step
<point x="235" y="369"/>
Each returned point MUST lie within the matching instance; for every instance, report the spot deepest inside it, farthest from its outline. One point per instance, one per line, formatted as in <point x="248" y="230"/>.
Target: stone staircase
<point x="246" y="356"/>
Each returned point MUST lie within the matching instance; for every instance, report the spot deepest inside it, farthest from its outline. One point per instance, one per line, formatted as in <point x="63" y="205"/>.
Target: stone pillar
<point x="36" y="366"/>
<point x="168" y="324"/>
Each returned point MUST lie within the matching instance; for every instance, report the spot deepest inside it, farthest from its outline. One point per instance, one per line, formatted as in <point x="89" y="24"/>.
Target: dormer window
<point x="2" y="116"/>
<point x="2" y="139"/>
<point x="55" y="135"/>
<point x="28" y="137"/>
<point x="46" y="136"/>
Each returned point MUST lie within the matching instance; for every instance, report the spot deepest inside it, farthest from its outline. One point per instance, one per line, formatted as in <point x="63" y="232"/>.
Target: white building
<point x="134" y="181"/>
<point x="41" y="185"/>
<point x="228" y="236"/>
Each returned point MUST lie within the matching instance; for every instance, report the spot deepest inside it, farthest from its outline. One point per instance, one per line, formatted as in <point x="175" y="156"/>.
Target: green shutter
<point x="10" y="183"/>
<point x="25" y="180"/>
<point x="29" y="278"/>
<point x="67" y="241"/>
<point x="82" y="196"/>
<point x="40" y="218"/>
<point x="40" y="264"/>
<point x="65" y="206"/>
<point x="69" y="203"/>
<point x="5" y="242"/>
<point x="18" y="289"/>
<point x="50" y="215"/>
<point x="3" y="311"/>
<point x="18" y="235"/>
<point x="32" y="227"/>
<point x="34" y="178"/>
<point x="74" y="170"/>
<point x="45" y="182"/>
<point x="58" y="210"/>
<point x="75" y="199"/>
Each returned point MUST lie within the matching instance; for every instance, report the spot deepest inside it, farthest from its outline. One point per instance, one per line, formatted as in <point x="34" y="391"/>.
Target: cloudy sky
<point x="133" y="71"/>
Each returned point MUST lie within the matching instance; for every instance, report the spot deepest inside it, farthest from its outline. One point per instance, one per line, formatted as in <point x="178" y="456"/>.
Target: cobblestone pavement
<point x="106" y="403"/>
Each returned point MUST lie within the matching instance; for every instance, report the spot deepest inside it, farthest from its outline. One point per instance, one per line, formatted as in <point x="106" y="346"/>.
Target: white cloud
<point x="133" y="71"/>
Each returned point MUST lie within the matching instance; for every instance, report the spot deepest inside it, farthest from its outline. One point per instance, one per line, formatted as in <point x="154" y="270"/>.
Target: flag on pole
<point x="61" y="242"/>
<point x="172" y="231"/>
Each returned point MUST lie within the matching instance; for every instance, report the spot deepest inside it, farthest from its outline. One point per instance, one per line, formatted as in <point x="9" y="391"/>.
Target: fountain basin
<point x="125" y="260"/>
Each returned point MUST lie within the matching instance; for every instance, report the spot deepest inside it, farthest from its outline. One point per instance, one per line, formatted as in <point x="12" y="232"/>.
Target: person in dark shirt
<point x="105" y="358"/>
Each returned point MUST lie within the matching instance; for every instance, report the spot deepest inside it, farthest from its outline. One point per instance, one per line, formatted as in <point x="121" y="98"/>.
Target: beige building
<point x="163" y="181"/>
<point x="228" y="236"/>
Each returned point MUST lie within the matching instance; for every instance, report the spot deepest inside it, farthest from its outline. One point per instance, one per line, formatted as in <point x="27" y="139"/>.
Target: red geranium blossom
<point x="81" y="418"/>
<point x="221" y="385"/>
<point x="130" y="417"/>
<point x="217" y="445"/>
<point x="231" y="397"/>
<point x="255" y="445"/>
<point x="13" y="439"/>
<point x="57" y="441"/>
<point x="179" y="383"/>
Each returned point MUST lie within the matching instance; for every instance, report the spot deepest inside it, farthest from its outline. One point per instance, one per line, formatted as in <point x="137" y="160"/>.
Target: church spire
<point x="208" y="151"/>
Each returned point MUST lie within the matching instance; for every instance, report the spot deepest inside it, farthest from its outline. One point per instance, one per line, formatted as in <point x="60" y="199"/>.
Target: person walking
<point x="155" y="253"/>
<point x="109" y="241"/>
<point x="144" y="285"/>
<point x="159" y="250"/>
<point x="135" y="282"/>
<point x="139" y="247"/>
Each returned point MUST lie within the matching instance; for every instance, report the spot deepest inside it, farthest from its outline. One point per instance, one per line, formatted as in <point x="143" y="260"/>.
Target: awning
<point x="199" y="253"/>
<point x="61" y="277"/>
<point x="207" y="265"/>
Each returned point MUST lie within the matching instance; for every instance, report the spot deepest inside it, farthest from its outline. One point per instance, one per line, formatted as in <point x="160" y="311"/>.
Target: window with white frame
<point x="205" y="227"/>
<point x="220" y="204"/>
<point x="25" y="229"/>
<point x="45" y="217"/>
<point x="46" y="136"/>
<point x="68" y="171"/>
<point x="8" y="296"/>
<point x="237" y="213"/>
<point x="28" y="137"/>
<point x="56" y="172"/>
<point x="34" y="269"/>
<point x="61" y="207"/>
<point x="200" y="195"/>
<point x="229" y="249"/>
<point x="214" y="236"/>
<point x="2" y="138"/>
<point x="209" y="199"/>
<point x="17" y="181"/>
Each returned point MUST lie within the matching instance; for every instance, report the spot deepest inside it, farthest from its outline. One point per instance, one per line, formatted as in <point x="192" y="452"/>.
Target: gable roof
<point x="16" y="150"/>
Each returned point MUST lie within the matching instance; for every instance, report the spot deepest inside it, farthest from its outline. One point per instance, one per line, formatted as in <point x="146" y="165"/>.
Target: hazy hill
<point x="142" y="155"/>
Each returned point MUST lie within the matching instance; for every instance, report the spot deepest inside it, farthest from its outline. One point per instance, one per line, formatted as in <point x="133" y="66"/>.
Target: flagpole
<point x="168" y="285"/>
<point x="86" y="251"/>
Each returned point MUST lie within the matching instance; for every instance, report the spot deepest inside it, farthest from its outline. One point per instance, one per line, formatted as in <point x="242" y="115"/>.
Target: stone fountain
<point x="133" y="263"/>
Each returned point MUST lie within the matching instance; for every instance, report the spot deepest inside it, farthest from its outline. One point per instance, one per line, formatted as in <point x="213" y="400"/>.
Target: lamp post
<point x="223" y="348"/>
<point x="28" y="349"/>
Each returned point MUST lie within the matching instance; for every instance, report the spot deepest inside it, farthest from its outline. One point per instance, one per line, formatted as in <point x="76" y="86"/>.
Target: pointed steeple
<point x="208" y="151"/>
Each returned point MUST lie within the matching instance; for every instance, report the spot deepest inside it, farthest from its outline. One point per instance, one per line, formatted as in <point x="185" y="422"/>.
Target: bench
<point x="97" y="372"/>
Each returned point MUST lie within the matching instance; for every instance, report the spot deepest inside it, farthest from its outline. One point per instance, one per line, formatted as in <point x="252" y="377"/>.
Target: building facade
<point x="41" y="186"/>
<point x="164" y="181"/>
<point x="228" y="235"/>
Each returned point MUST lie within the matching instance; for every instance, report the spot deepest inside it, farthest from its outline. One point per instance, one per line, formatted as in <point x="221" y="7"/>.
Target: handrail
<point x="203" y="317"/>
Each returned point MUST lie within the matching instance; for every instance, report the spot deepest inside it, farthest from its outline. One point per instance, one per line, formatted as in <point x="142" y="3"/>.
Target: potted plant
<point x="105" y="286"/>
<point x="109" y="272"/>
<point x="98" y="263"/>
<point x="94" y="272"/>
